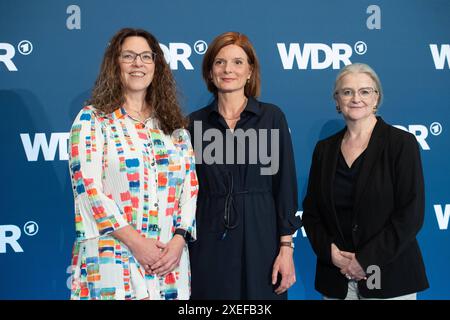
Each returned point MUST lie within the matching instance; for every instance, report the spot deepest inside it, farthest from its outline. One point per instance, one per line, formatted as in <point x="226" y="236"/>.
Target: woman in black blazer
<point x="365" y="200"/>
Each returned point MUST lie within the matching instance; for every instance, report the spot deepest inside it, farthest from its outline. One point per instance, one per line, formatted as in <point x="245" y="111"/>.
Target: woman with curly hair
<point x="133" y="177"/>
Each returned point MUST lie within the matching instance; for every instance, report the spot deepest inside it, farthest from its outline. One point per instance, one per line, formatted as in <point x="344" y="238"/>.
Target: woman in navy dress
<point x="248" y="186"/>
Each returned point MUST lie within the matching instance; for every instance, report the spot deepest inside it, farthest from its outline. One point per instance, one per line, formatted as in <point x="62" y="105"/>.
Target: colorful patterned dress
<point x="125" y="172"/>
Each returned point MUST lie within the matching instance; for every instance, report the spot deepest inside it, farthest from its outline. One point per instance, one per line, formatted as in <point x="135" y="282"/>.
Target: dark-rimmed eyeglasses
<point x="147" y="57"/>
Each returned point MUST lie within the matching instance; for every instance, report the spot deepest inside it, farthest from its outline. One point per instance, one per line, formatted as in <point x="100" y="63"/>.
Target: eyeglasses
<point x="364" y="93"/>
<point x="147" y="57"/>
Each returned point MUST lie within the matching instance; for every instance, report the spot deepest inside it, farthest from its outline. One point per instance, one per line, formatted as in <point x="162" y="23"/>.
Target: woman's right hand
<point x="339" y="260"/>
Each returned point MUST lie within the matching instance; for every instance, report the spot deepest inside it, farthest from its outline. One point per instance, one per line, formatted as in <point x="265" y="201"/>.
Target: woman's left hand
<point x="170" y="257"/>
<point x="284" y="264"/>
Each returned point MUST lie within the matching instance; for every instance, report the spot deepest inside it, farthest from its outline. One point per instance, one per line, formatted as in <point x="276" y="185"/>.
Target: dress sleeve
<point x="95" y="213"/>
<point x="284" y="186"/>
<point x="189" y="192"/>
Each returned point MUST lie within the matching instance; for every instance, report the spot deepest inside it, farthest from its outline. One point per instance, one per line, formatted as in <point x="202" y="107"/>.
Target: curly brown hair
<point x="108" y="92"/>
<point x="253" y="86"/>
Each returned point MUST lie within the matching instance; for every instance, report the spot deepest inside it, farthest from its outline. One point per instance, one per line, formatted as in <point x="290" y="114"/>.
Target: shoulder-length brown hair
<point x="108" y="92"/>
<point x="253" y="86"/>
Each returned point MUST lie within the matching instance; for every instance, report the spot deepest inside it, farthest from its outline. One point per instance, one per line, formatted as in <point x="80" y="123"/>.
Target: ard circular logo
<point x="360" y="47"/>
<point x="30" y="228"/>
<point x="435" y="128"/>
<point x="200" y="47"/>
<point x="25" y="47"/>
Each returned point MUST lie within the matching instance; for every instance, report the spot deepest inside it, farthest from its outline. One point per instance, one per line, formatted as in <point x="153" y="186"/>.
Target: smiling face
<point x="352" y="105"/>
<point x="231" y="70"/>
<point x="136" y="76"/>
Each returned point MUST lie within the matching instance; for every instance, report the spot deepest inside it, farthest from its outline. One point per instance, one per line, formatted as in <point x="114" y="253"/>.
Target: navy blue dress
<point x="241" y="213"/>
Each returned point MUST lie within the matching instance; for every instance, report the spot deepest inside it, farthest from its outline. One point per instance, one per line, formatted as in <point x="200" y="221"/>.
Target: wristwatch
<point x="287" y="244"/>
<point x="184" y="233"/>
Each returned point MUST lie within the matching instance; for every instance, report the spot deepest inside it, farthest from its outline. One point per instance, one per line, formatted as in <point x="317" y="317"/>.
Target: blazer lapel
<point x="373" y="152"/>
<point x="330" y="159"/>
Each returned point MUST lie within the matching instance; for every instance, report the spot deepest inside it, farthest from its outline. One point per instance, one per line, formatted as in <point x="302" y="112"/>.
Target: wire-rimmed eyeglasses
<point x="364" y="93"/>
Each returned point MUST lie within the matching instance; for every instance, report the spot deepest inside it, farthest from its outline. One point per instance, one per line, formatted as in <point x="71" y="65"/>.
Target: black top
<point x="241" y="210"/>
<point x="344" y="196"/>
<point x="388" y="212"/>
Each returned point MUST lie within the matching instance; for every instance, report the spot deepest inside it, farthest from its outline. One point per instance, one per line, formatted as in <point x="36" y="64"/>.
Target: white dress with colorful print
<point x="125" y="172"/>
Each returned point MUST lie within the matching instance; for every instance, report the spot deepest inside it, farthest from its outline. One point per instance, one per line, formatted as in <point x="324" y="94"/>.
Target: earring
<point x="375" y="110"/>
<point x="338" y="109"/>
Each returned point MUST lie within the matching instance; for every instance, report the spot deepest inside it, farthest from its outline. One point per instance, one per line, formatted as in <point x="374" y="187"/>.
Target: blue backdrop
<point x="50" y="53"/>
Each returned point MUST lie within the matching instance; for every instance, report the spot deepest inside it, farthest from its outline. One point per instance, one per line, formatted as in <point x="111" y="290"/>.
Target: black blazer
<point x="388" y="214"/>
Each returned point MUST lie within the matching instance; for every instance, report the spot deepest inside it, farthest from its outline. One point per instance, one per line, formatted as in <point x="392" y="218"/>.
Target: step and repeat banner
<point x="50" y="54"/>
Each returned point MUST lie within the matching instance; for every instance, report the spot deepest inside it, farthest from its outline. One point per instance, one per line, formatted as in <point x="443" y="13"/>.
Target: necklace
<point x="141" y="115"/>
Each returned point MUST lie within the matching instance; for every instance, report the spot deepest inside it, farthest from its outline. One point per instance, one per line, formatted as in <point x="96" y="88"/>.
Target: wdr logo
<point x="180" y="53"/>
<point x="440" y="56"/>
<point x="175" y="53"/>
<point x="421" y="132"/>
<point x="442" y="215"/>
<point x="10" y="234"/>
<point x="24" y="47"/>
<point x="58" y="140"/>
<point x="318" y="55"/>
